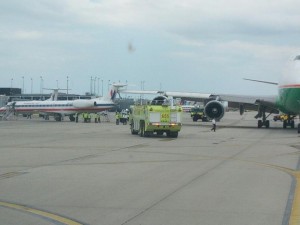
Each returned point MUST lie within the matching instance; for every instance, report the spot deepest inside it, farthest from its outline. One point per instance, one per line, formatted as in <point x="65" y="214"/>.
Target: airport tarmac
<point x="86" y="173"/>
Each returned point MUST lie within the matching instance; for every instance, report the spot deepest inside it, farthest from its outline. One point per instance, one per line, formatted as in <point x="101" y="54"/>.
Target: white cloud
<point x="21" y="35"/>
<point x="260" y="51"/>
<point x="177" y="13"/>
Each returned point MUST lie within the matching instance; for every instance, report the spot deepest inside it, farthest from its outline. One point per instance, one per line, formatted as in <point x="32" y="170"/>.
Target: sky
<point x="169" y="45"/>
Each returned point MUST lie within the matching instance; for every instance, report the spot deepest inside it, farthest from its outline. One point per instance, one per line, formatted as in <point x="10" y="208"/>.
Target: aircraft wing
<point x="234" y="101"/>
<point x="250" y="102"/>
<point x="193" y="95"/>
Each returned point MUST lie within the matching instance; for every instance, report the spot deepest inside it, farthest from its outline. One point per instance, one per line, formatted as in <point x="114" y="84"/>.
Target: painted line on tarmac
<point x="46" y="215"/>
<point x="295" y="213"/>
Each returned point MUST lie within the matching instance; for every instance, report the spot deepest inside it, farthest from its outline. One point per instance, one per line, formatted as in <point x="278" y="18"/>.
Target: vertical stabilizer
<point x="112" y="94"/>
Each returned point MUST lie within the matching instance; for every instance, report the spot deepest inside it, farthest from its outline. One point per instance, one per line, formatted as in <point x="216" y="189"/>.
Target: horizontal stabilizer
<point x="262" y="81"/>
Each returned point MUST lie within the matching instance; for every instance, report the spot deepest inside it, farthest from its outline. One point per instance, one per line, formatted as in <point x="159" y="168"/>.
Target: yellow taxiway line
<point x="295" y="214"/>
<point x="44" y="214"/>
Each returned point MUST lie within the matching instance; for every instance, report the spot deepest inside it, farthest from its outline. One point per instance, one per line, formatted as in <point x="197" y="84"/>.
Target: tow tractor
<point x="288" y="120"/>
<point x="197" y="113"/>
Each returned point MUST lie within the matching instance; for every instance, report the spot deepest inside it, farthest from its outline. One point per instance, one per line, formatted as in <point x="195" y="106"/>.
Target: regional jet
<point x="59" y="109"/>
<point x="287" y="101"/>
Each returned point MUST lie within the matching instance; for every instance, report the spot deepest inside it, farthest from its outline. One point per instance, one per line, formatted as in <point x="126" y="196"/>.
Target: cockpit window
<point x="297" y="57"/>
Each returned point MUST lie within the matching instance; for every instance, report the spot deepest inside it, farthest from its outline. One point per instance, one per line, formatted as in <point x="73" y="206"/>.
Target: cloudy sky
<point x="172" y="45"/>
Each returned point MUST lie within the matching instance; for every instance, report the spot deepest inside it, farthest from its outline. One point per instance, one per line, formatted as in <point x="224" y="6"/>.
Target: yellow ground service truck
<point x="159" y="116"/>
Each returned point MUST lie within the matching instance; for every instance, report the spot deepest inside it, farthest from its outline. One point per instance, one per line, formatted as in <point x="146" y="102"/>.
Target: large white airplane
<point x="59" y="109"/>
<point x="287" y="101"/>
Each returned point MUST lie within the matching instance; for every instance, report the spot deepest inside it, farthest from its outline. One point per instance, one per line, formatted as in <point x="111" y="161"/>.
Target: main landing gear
<point x="289" y="122"/>
<point x="263" y="121"/>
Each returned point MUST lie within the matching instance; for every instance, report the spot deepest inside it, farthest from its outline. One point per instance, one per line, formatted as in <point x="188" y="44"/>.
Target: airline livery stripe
<point x="290" y="86"/>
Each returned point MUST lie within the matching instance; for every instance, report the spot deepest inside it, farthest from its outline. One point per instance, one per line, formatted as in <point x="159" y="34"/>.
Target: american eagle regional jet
<point x="287" y="101"/>
<point x="59" y="109"/>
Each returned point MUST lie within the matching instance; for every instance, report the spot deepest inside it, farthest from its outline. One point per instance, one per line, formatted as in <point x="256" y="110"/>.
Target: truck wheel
<point x="132" y="128"/>
<point x="147" y="133"/>
<point x="174" y="134"/>
<point x="142" y="129"/>
<point x="159" y="133"/>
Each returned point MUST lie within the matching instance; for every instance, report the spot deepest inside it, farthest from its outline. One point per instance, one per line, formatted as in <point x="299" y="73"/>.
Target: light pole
<point x="98" y="86"/>
<point x="41" y="85"/>
<point x="67" y="87"/>
<point x="11" y="82"/>
<point x="102" y="88"/>
<point x="23" y="85"/>
<point x="31" y="84"/>
<point x="57" y="84"/>
<point x="95" y="85"/>
<point x="108" y="86"/>
<point x="91" y="86"/>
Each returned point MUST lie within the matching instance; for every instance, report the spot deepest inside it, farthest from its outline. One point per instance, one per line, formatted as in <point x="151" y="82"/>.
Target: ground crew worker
<point x="95" y="117"/>
<point x="99" y="118"/>
<point x="213" y="125"/>
<point x="76" y="117"/>
<point x="117" y="118"/>
<point x="84" y="117"/>
<point x="88" y="117"/>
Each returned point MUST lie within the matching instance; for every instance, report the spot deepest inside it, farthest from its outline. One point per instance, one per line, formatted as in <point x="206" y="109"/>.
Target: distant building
<point x="10" y="91"/>
<point x="3" y="100"/>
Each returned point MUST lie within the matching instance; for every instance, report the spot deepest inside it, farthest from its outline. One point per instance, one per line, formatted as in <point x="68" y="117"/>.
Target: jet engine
<point x="81" y="103"/>
<point x="214" y="109"/>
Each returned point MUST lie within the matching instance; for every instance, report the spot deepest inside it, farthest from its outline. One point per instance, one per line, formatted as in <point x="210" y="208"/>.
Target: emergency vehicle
<point x="158" y="116"/>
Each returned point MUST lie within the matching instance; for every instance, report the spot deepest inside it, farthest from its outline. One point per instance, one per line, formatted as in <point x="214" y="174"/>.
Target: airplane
<point x="59" y="108"/>
<point x="287" y="101"/>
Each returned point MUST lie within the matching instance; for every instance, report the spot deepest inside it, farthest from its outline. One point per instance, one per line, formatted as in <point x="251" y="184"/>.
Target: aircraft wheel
<point x="285" y="124"/>
<point x="259" y="123"/>
<point x="293" y="124"/>
<point x="267" y="123"/>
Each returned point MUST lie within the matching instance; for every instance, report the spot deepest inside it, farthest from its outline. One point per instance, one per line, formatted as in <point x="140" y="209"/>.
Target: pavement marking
<point x="295" y="214"/>
<point x="41" y="213"/>
<point x="11" y="174"/>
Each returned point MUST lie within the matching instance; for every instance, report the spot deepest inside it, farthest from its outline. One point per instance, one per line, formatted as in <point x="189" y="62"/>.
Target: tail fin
<point x="112" y="94"/>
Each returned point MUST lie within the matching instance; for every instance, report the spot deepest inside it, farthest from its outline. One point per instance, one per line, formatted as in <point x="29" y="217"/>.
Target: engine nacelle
<point x="81" y="103"/>
<point x="214" y="109"/>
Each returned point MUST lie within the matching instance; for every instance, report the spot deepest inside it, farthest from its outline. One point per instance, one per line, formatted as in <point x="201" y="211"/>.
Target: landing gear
<point x="261" y="123"/>
<point x="72" y="118"/>
<point x="58" y="117"/>
<point x="264" y="121"/>
<point x="289" y="121"/>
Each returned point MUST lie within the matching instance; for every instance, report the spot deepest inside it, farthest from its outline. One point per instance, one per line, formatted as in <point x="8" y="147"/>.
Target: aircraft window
<point x="297" y="57"/>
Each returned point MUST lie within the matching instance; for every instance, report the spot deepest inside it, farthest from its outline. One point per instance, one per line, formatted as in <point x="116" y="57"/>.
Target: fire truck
<point x="158" y="116"/>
